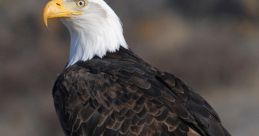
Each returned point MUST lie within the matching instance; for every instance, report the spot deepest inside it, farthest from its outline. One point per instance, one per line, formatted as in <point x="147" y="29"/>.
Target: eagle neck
<point x="94" y="39"/>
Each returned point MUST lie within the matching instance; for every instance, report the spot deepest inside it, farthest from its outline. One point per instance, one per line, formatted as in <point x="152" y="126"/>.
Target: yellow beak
<point x="56" y="9"/>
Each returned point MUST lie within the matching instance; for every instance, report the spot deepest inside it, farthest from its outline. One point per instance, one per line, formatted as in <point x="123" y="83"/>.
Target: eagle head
<point x="94" y="27"/>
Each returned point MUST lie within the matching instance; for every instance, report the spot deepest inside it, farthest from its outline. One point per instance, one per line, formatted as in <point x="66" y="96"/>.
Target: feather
<point x="90" y="102"/>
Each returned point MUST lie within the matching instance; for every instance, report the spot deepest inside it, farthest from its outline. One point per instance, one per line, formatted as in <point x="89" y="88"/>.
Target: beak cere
<point x="56" y="9"/>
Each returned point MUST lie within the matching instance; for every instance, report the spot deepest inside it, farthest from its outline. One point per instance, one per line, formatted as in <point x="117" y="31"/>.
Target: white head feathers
<point x="94" y="33"/>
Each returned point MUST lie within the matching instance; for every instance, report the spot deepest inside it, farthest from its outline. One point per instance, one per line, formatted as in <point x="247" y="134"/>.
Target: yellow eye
<point x="81" y="3"/>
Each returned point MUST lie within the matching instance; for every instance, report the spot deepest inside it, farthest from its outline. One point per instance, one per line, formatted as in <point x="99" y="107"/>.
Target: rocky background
<point x="212" y="44"/>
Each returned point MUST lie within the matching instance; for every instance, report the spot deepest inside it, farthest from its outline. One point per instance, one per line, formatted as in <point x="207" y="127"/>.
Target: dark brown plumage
<point x="121" y="95"/>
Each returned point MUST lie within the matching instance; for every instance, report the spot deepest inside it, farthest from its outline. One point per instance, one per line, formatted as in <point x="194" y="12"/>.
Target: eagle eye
<point x="81" y="3"/>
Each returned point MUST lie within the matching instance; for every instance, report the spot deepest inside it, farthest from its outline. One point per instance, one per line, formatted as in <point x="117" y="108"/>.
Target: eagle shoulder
<point x="113" y="100"/>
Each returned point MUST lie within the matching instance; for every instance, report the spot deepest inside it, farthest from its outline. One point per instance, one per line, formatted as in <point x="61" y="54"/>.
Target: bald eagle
<point x="107" y="90"/>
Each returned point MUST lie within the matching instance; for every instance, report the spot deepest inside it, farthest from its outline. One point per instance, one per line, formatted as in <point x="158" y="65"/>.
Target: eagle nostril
<point x="58" y="4"/>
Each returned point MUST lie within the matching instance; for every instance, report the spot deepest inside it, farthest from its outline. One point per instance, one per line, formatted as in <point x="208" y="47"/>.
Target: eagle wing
<point x="118" y="97"/>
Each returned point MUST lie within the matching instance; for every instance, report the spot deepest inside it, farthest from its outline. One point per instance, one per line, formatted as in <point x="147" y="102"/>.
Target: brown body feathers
<point x="121" y="95"/>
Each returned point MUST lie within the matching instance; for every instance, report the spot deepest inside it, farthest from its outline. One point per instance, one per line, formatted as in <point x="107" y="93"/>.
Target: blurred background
<point x="213" y="45"/>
